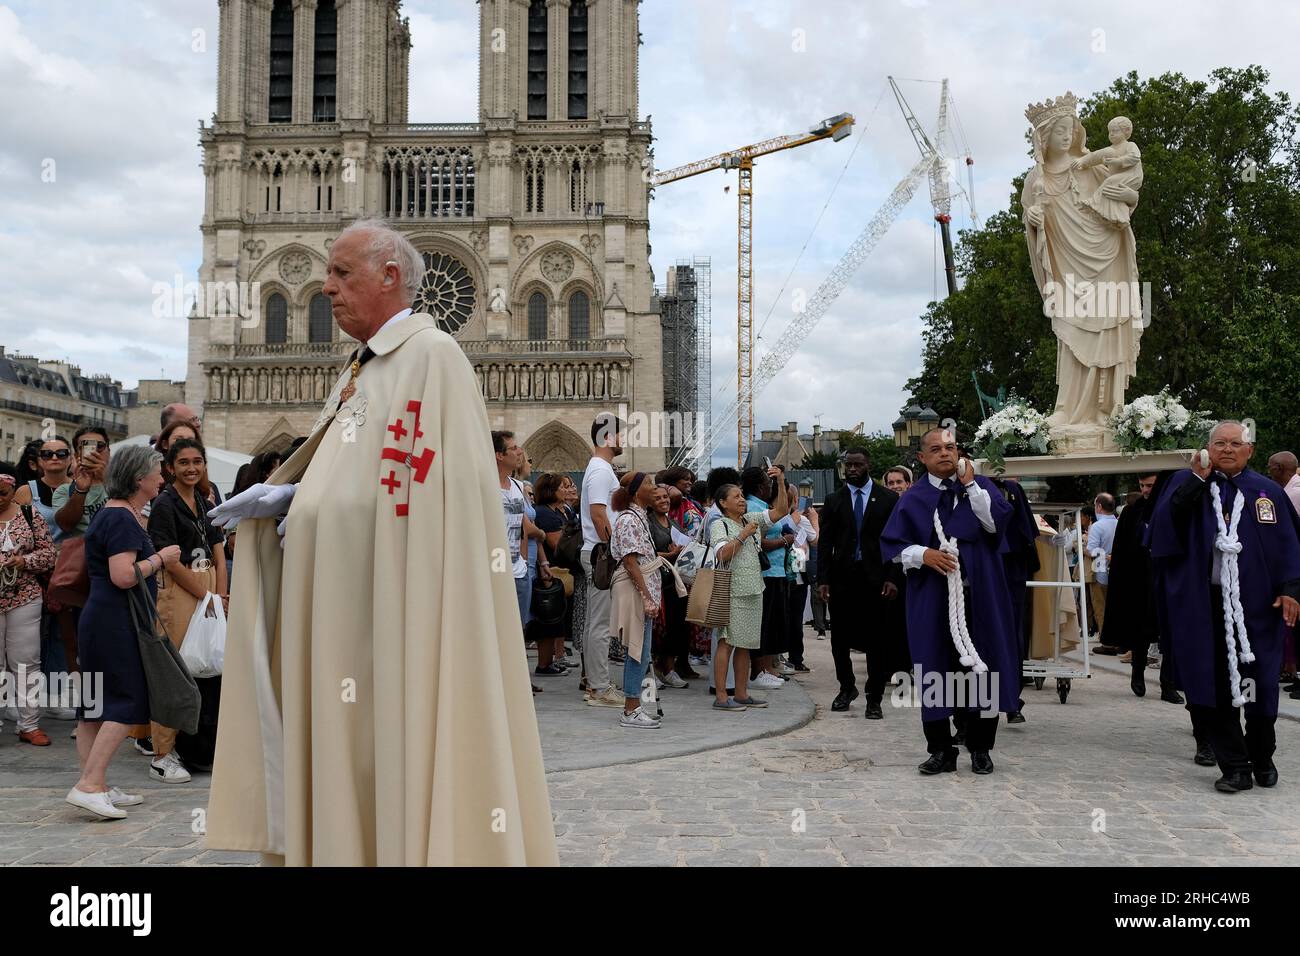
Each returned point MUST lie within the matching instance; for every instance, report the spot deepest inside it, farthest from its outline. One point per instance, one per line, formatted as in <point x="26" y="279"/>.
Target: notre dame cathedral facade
<point x="533" y="219"/>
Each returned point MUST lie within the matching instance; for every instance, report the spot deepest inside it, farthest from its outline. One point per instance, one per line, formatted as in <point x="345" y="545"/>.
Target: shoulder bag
<point x="174" y="699"/>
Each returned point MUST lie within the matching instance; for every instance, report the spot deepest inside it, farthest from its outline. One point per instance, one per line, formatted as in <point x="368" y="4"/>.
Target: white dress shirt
<point x="913" y="555"/>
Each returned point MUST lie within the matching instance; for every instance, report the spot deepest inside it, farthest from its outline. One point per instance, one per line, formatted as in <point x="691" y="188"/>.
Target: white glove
<point x="259" y="501"/>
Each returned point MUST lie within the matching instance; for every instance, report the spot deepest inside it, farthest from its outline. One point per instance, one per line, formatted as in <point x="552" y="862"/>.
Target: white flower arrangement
<point x="1158" y="422"/>
<point x="1017" y="427"/>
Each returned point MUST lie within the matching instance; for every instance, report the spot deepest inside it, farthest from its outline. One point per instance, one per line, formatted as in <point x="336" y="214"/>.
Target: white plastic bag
<point x="204" y="647"/>
<point x="691" y="559"/>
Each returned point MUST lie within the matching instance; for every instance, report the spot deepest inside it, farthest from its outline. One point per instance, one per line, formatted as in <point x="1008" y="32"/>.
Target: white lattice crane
<point x="820" y="303"/>
<point x="835" y="129"/>
<point x="942" y="173"/>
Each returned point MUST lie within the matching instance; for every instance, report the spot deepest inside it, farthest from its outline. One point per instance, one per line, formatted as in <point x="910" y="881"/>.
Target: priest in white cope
<point x="376" y="707"/>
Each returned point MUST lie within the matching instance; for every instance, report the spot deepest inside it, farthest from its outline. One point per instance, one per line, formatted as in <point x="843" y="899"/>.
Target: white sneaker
<point x="671" y="679"/>
<point x="120" y="799"/>
<point x="168" y="769"/>
<point x="698" y="661"/>
<point x="785" y="668"/>
<point x="640" y="719"/>
<point x="97" y="803"/>
<point x="767" y="681"/>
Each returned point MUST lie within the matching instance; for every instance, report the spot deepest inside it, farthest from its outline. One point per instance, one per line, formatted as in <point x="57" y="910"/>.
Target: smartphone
<point x="767" y="462"/>
<point x="804" y="502"/>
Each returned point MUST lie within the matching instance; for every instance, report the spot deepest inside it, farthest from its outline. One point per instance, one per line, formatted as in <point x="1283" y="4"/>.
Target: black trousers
<point x="862" y="619"/>
<point x="981" y="732"/>
<point x="1235" y="751"/>
<point x="795" y="600"/>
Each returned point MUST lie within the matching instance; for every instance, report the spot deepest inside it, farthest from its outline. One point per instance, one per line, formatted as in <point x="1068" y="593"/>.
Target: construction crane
<point x="820" y="303"/>
<point x="835" y="129"/>
<point x="941" y="173"/>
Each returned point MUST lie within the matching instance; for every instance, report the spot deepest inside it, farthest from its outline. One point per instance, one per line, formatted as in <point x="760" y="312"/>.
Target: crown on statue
<point x="1048" y="110"/>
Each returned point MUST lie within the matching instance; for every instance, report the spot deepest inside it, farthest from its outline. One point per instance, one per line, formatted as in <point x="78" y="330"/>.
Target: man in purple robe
<point x="1226" y="543"/>
<point x="970" y="608"/>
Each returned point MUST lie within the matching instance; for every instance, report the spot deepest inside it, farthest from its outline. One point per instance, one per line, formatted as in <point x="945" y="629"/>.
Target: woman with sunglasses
<point x="53" y="458"/>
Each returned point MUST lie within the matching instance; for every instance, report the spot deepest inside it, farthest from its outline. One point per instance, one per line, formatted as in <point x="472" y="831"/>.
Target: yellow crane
<point x="834" y="128"/>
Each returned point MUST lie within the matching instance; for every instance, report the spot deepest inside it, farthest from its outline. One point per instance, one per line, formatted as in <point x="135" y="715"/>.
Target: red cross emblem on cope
<point x="416" y="463"/>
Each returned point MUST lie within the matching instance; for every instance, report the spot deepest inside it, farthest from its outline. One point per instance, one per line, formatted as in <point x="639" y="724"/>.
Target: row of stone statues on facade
<point x="554" y="382"/>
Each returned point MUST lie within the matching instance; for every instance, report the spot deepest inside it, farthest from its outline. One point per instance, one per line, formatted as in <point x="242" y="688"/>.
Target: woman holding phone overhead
<point x="77" y="502"/>
<point x="734" y="536"/>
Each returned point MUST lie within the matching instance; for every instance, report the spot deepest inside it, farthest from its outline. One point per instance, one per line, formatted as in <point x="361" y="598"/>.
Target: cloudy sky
<point x="101" y="192"/>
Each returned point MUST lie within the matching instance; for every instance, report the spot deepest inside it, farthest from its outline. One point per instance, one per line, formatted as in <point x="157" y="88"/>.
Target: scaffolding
<point x="685" y="320"/>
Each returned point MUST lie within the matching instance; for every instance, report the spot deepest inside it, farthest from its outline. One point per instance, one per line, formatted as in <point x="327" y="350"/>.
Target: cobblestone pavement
<point x="1104" y="779"/>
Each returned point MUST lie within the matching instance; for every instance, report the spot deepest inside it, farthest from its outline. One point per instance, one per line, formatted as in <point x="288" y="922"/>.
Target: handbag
<point x="173" y="696"/>
<point x="568" y="550"/>
<point x="709" y="603"/>
<point x="204" y="647"/>
<point x="70" y="579"/>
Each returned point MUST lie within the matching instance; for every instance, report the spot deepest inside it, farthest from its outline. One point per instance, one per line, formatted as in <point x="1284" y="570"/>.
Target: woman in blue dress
<point x="117" y="546"/>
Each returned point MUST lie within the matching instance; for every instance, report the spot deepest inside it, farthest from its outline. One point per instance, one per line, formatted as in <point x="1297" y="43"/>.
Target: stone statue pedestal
<point x="1081" y="439"/>
<point x="1085" y="464"/>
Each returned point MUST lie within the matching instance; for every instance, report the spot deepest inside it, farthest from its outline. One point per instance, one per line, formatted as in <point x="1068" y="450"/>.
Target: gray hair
<point x="126" y="467"/>
<point x="388" y="245"/>
<point x="1245" y="436"/>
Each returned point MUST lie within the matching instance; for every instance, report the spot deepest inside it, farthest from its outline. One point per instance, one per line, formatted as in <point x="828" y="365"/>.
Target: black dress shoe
<point x="1015" y="717"/>
<point x="1171" y="696"/>
<point x="1205" y="755"/>
<point x="1266" y="776"/>
<point x="1234" y="782"/>
<point x="1295" y="692"/>
<point x="981" y="762"/>
<point x="874" y="712"/>
<point x="1138" y="683"/>
<point x="945" y="762"/>
<point x="842" y="700"/>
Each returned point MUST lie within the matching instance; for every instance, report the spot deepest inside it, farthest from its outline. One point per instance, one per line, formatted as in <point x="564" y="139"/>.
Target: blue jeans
<point x="524" y="593"/>
<point x="633" y="672"/>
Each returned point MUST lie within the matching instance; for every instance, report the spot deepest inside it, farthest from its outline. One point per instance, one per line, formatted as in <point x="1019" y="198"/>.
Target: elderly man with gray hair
<point x="376" y="705"/>
<point x="118" y="552"/>
<point x="1225" y="547"/>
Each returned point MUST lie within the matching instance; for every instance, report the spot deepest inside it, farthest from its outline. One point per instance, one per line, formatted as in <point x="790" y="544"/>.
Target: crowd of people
<point x="77" y="522"/>
<point x="926" y="572"/>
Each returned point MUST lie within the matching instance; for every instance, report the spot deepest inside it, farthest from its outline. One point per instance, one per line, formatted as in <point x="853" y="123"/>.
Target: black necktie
<point x="950" y="494"/>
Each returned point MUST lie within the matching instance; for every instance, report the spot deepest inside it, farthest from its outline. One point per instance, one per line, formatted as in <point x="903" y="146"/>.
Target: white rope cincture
<point x="957" y="605"/>
<point x="1234" y="617"/>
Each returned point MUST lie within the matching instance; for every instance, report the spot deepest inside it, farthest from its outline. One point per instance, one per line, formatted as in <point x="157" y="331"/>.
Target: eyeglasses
<point x="1222" y="445"/>
<point x="61" y="453"/>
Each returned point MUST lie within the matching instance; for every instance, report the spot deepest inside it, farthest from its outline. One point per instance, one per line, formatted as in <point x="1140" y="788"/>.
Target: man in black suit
<point x="854" y="580"/>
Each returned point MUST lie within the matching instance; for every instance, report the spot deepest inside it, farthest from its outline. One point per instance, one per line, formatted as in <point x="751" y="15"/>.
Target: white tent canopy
<point x="223" y="464"/>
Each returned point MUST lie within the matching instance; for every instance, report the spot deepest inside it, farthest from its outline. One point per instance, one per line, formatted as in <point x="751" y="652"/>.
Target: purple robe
<point x="1269" y="563"/>
<point x="1021" y="556"/>
<point x="992" y="627"/>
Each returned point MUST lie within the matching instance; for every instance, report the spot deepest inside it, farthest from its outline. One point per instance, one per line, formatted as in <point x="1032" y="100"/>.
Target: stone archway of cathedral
<point x="557" y="447"/>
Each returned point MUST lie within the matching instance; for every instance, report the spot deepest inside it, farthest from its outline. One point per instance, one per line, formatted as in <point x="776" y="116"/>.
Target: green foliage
<point x="1218" y="239"/>
<point x="818" y="460"/>
<point x="880" y="448"/>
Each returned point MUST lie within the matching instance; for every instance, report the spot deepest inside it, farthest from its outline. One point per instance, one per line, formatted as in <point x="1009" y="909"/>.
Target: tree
<point x="1218" y="239"/>
<point x="880" y="448"/>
